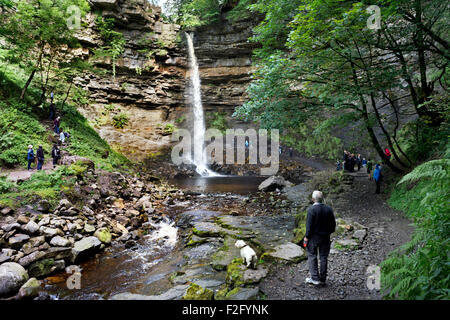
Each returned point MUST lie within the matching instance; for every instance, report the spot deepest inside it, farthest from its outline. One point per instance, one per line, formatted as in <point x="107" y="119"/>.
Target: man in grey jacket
<point x="320" y="224"/>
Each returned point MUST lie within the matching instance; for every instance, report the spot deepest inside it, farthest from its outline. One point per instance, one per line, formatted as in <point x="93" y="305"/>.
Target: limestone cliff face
<point x="152" y="76"/>
<point x="224" y="56"/>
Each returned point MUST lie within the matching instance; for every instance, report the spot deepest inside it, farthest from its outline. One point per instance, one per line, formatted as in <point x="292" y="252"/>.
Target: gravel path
<point x="347" y="278"/>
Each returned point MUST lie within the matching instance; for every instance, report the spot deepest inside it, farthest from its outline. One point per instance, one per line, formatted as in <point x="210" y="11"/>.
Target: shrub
<point x="120" y="120"/>
<point x="420" y="269"/>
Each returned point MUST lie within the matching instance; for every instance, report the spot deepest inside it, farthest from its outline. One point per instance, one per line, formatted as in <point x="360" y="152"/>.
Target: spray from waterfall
<point x="199" y="121"/>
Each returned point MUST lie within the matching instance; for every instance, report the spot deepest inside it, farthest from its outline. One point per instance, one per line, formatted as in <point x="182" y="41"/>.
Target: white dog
<point x="247" y="253"/>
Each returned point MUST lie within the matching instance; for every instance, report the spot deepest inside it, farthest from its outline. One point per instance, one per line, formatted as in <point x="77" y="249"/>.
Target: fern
<point x="420" y="269"/>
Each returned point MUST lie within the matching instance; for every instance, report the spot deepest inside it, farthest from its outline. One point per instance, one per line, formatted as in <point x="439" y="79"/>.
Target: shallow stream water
<point x="146" y="267"/>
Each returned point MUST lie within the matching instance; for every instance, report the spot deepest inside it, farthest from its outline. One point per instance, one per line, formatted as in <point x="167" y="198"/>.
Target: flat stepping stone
<point x="288" y="252"/>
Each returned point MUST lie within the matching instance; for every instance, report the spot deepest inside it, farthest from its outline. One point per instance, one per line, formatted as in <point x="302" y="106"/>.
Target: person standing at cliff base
<point x="320" y="224"/>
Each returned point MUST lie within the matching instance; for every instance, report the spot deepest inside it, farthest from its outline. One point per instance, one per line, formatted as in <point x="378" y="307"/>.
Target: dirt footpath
<point x="347" y="278"/>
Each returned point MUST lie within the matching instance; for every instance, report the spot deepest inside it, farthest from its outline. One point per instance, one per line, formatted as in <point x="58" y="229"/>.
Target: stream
<point x="145" y="267"/>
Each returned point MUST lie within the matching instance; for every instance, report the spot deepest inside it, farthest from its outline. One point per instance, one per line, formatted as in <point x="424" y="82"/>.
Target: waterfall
<point x="199" y="120"/>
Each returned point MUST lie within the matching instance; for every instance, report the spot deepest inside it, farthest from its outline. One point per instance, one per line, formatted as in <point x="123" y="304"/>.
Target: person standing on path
<point x="369" y="168"/>
<point x="359" y="161"/>
<point x="40" y="157"/>
<point x="56" y="124"/>
<point x="62" y="136"/>
<point x="30" y="156"/>
<point x="320" y="224"/>
<point x="56" y="155"/>
<point x="377" y="177"/>
<point x="290" y="152"/>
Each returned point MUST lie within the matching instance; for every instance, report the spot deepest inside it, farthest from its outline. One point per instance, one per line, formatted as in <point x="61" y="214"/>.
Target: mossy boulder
<point x="195" y="240"/>
<point x="346" y="244"/>
<point x="225" y="255"/>
<point x="104" y="235"/>
<point x="196" y="292"/>
<point x="300" y="218"/>
<point x="41" y="268"/>
<point x="235" y="273"/>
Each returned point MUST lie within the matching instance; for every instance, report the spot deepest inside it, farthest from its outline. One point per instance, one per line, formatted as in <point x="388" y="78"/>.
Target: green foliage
<point x="219" y="121"/>
<point x="86" y="142"/>
<point x="169" y="128"/>
<point x="18" y="129"/>
<point x="120" y="120"/>
<point x="36" y="31"/>
<point x="313" y="142"/>
<point x="180" y="120"/>
<point x="200" y="12"/>
<point x="114" y="41"/>
<point x="420" y="269"/>
<point x="5" y="185"/>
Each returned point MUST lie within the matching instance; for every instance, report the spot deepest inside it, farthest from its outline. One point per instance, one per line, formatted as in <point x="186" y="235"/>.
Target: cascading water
<point x="199" y="121"/>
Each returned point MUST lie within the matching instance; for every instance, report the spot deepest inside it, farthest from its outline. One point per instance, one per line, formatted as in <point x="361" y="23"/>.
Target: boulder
<point x="37" y="241"/>
<point x="42" y="268"/>
<point x="345" y="244"/>
<point x="10" y="226"/>
<point x="32" y="257"/>
<point x="272" y="183"/>
<point x="59" y="241"/>
<point x="103" y="235"/>
<point x="360" y="234"/>
<point x="64" y="203"/>
<point x="12" y="277"/>
<point x="31" y="227"/>
<point x="43" y="206"/>
<point x="85" y="248"/>
<point x="88" y="228"/>
<point x="30" y="289"/>
<point x="7" y="211"/>
<point x="144" y="203"/>
<point x="289" y="252"/>
<point x="239" y="293"/>
<point x="195" y="292"/>
<point x="18" y="240"/>
<point x="50" y="232"/>
<point x="23" y="219"/>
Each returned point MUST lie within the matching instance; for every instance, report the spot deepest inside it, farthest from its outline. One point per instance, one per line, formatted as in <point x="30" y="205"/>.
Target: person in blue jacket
<point x="30" y="156"/>
<point x="377" y="177"/>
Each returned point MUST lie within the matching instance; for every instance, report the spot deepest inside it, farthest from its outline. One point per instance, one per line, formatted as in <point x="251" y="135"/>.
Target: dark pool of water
<point x="234" y="184"/>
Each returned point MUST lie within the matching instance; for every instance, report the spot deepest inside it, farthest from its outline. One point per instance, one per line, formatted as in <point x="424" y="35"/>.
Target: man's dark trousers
<point x="322" y="245"/>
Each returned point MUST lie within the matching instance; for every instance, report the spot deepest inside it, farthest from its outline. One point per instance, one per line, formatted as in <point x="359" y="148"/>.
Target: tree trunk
<point x="24" y="90"/>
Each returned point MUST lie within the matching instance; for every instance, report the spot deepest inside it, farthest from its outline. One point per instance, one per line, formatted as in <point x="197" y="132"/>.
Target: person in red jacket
<point x="387" y="153"/>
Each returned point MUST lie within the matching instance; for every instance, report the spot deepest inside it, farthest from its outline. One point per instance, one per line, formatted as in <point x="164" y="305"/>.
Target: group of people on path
<point x="39" y="158"/>
<point x="350" y="161"/>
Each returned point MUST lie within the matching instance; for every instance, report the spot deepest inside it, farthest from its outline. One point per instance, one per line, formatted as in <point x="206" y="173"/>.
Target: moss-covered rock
<point x="235" y="273"/>
<point x="104" y="235"/>
<point x="300" y="218"/>
<point x="195" y="240"/>
<point x="41" y="268"/>
<point x="195" y="292"/>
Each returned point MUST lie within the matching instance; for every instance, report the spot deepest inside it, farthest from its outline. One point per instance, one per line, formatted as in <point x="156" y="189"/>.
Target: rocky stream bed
<point x="130" y="237"/>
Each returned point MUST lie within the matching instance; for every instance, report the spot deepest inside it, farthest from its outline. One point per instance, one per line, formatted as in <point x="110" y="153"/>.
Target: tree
<point x="333" y="64"/>
<point x="35" y="32"/>
<point x="113" y="41"/>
